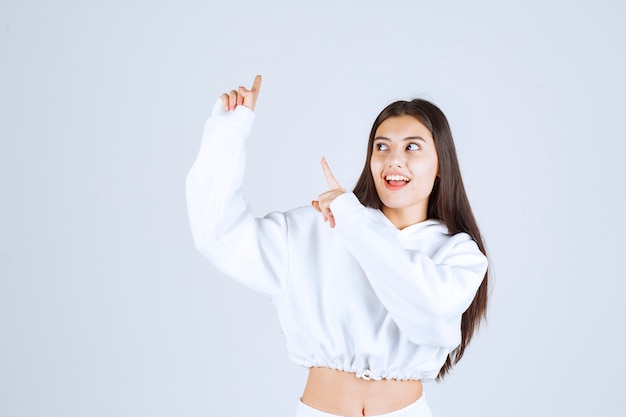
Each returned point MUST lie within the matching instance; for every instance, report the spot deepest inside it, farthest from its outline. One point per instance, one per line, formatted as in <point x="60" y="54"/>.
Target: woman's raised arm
<point x="251" y="250"/>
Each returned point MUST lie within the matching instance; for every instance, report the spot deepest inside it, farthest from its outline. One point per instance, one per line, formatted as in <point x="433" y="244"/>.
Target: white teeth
<point x="396" y="178"/>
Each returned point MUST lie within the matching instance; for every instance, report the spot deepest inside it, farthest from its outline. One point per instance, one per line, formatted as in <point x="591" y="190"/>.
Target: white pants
<point x="419" y="408"/>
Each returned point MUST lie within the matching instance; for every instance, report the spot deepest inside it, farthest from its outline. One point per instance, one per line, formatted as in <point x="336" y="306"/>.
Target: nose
<point x="396" y="157"/>
<point x="394" y="162"/>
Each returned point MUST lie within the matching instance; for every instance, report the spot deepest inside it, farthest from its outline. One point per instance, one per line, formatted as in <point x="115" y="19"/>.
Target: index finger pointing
<point x="256" y="85"/>
<point x="330" y="178"/>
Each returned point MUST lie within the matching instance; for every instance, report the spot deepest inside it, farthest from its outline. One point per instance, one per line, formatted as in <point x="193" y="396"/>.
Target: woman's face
<point x="404" y="165"/>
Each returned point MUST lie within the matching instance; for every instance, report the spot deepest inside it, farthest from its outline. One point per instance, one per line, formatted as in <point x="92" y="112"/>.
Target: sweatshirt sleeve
<point x="425" y="296"/>
<point x="251" y="250"/>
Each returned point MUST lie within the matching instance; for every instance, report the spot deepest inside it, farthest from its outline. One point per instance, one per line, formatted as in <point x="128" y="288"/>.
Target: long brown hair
<point x="448" y="201"/>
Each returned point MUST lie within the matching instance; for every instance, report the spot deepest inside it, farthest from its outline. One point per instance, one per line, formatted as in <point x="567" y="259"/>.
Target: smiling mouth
<point x="397" y="179"/>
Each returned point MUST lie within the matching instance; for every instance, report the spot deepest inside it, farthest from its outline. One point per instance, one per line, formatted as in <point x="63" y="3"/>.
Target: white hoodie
<point x="363" y="297"/>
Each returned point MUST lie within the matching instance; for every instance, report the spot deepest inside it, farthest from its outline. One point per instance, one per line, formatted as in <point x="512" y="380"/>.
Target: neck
<point x="402" y="218"/>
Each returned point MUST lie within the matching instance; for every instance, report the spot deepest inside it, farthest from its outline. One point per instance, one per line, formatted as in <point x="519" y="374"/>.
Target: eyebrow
<point x="405" y="139"/>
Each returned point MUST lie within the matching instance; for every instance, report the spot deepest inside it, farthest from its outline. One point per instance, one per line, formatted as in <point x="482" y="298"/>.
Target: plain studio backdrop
<point x="106" y="308"/>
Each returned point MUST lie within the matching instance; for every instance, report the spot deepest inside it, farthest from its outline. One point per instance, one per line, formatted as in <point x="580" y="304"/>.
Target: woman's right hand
<point x="242" y="96"/>
<point x="322" y="204"/>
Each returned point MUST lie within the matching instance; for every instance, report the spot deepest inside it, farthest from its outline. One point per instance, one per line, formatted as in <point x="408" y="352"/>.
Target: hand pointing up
<point x="242" y="96"/>
<point x="322" y="204"/>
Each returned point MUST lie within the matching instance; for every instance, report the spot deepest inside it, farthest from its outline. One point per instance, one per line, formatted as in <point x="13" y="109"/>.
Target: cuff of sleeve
<point x="345" y="206"/>
<point x="241" y="118"/>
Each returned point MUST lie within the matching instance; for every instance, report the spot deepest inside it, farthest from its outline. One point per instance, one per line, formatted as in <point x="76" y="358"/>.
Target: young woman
<point x="376" y="290"/>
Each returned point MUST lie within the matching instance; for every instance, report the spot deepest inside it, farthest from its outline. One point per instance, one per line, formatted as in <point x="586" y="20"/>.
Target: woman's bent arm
<point x="424" y="295"/>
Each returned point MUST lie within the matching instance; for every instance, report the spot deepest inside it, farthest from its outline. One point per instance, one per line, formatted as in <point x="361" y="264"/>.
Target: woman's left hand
<point x="322" y="204"/>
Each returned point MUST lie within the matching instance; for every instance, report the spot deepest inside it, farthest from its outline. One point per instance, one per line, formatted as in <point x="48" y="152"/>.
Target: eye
<point x="413" y="147"/>
<point x="381" y="146"/>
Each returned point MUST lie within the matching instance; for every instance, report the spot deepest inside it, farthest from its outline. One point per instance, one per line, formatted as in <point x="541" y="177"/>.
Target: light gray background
<point x="107" y="310"/>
